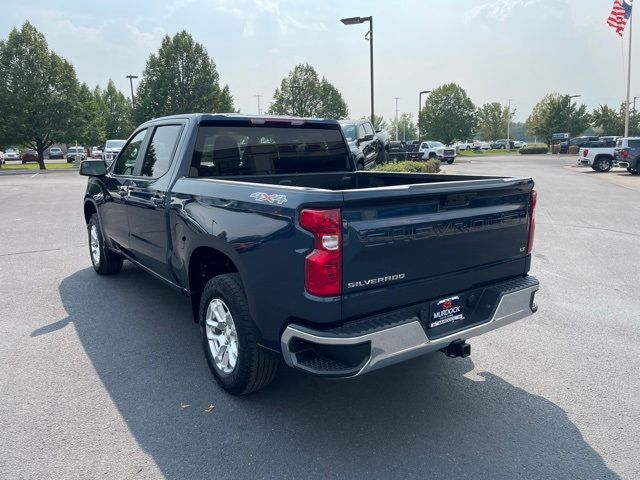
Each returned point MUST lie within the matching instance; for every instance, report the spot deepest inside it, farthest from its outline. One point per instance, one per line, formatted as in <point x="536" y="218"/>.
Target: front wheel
<point x="230" y="338"/>
<point x="633" y="171"/>
<point x="450" y="161"/>
<point x="104" y="260"/>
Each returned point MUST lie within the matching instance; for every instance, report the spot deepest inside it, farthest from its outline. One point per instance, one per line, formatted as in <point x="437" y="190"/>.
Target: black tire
<point x="385" y="157"/>
<point x="503" y="147"/>
<point x="450" y="161"/>
<point x="603" y="164"/>
<point x="633" y="171"/>
<point x="108" y="262"/>
<point x="432" y="156"/>
<point x="255" y="368"/>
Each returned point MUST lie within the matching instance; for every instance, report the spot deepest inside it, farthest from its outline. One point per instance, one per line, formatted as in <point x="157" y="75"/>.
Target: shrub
<point x="534" y="149"/>
<point x="430" y="166"/>
<point x="573" y="149"/>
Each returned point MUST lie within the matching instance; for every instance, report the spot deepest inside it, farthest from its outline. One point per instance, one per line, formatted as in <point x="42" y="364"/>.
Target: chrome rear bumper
<point x="386" y="346"/>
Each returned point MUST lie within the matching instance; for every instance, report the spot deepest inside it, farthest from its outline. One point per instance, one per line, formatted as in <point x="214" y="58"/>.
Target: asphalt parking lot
<point x="103" y="377"/>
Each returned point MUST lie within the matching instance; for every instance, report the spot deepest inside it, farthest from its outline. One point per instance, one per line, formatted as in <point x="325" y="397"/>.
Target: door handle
<point x="158" y="200"/>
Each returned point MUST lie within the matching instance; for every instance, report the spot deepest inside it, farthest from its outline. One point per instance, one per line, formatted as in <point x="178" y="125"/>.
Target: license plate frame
<point x="446" y="311"/>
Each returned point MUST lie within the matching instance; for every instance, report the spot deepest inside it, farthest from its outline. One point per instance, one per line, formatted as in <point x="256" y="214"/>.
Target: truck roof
<point x="200" y="117"/>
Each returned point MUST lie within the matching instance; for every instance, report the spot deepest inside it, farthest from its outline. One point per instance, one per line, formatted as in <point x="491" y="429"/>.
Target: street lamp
<point x="133" y="101"/>
<point x="355" y="21"/>
<point x="425" y="92"/>
<point x="258" y="97"/>
<point x="509" y="124"/>
<point x="569" y="97"/>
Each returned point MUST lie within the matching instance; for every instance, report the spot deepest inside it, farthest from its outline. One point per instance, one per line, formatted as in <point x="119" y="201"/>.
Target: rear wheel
<point x="104" y="260"/>
<point x="450" y="161"/>
<point x="633" y="171"/>
<point x="230" y="338"/>
<point x="603" y="164"/>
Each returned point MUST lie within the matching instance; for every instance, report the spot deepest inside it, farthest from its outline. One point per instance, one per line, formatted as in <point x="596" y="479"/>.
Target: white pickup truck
<point x="599" y="156"/>
<point x="430" y="149"/>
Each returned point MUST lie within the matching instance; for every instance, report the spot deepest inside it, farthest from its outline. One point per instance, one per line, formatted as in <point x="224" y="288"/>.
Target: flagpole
<point x="626" y="113"/>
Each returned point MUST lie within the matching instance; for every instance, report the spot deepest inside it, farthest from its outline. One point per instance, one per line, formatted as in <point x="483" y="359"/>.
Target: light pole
<point x="509" y="123"/>
<point x="569" y="97"/>
<point x="294" y="89"/>
<point x="258" y="97"/>
<point x="425" y="92"/>
<point x="396" y="99"/>
<point x="355" y="21"/>
<point x="133" y="101"/>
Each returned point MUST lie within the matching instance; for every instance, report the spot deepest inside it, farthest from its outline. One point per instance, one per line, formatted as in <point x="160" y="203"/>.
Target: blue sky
<point x="495" y="49"/>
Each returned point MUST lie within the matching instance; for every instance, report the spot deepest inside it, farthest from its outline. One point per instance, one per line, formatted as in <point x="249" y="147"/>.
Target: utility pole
<point x="509" y="123"/>
<point x="294" y="89"/>
<point x="258" y="97"/>
<point x="425" y="92"/>
<point x="396" y="99"/>
<point x="569" y="97"/>
<point x="133" y="101"/>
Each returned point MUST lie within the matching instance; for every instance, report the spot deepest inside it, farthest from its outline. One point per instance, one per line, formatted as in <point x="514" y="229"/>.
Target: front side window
<point x="157" y="158"/>
<point x="634" y="143"/>
<point x="129" y="154"/>
<point x="368" y="128"/>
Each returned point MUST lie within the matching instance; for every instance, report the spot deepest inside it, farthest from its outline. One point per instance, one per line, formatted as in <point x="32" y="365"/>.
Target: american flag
<point x="619" y="15"/>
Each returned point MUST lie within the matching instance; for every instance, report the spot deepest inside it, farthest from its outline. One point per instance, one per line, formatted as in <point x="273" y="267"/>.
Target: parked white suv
<point x="111" y="150"/>
<point x="437" y="150"/>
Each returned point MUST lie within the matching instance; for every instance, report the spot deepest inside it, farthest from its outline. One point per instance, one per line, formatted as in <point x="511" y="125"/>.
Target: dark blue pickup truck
<point x="289" y="253"/>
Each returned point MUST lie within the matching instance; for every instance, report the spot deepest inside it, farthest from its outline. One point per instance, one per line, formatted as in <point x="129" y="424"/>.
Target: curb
<point x="33" y="172"/>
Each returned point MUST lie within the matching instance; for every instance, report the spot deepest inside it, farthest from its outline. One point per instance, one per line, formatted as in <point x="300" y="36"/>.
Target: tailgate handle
<point x="458" y="199"/>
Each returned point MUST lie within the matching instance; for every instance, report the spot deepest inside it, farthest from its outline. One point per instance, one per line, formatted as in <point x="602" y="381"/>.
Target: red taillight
<point x="625" y="153"/>
<point x="585" y="152"/>
<point x="323" y="266"/>
<point x="533" y="201"/>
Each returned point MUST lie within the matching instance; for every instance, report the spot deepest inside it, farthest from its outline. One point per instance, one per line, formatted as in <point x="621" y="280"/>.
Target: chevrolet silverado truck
<point x="627" y="154"/>
<point x="368" y="147"/>
<point x="431" y="149"/>
<point x="289" y="253"/>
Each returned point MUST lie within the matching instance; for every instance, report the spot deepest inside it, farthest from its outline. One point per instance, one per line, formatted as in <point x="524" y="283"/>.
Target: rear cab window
<point x="265" y="150"/>
<point x="633" y="143"/>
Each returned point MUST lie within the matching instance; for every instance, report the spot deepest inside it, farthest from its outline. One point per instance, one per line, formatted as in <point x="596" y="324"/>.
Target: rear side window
<point x="634" y="143"/>
<point x="128" y="155"/>
<point x="230" y="150"/>
<point x="619" y="144"/>
<point x="158" y="157"/>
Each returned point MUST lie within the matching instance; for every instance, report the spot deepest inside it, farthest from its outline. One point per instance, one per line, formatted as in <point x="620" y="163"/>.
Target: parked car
<point x="517" y="144"/>
<point x="599" y="157"/>
<point x="580" y="142"/>
<point x="396" y="151"/>
<point x="96" y="152"/>
<point x="111" y="150"/>
<point x="503" y="144"/>
<point x="55" y="152"/>
<point x="1" y="157"/>
<point x="369" y="147"/>
<point x="73" y="151"/>
<point x="466" y="145"/>
<point x="288" y="252"/>
<point x="627" y="154"/>
<point x="481" y="145"/>
<point x="29" y="155"/>
<point x="431" y="149"/>
<point x="11" y="154"/>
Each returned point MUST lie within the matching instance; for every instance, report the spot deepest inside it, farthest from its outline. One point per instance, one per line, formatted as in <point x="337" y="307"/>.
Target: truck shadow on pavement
<point x="421" y="419"/>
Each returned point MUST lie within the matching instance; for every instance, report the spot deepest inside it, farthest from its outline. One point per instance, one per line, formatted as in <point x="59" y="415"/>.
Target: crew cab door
<point x="366" y="139"/>
<point x="113" y="212"/>
<point x="147" y="200"/>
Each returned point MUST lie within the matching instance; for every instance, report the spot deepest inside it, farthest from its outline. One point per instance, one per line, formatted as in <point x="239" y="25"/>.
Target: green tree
<point x="448" y="114"/>
<point x="405" y="126"/>
<point x="492" y="121"/>
<point x="38" y="91"/>
<point x="556" y="113"/>
<point x="116" y="111"/>
<point x="89" y="120"/>
<point x="302" y="93"/>
<point x="378" y="122"/>
<point x="180" y="78"/>
<point x="609" y="121"/>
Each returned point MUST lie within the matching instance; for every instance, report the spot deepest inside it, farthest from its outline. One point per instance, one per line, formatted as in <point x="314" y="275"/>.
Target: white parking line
<point x="35" y="174"/>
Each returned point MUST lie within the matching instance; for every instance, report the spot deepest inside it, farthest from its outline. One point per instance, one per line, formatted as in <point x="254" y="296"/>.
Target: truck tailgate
<point x="413" y="243"/>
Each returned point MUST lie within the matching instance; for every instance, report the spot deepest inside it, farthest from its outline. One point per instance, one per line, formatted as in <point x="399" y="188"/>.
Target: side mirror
<point x="368" y="137"/>
<point x="93" y="168"/>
